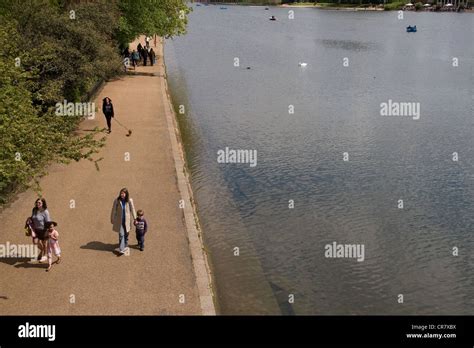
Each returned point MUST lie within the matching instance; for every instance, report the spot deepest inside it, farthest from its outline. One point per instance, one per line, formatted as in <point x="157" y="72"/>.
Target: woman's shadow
<point x="96" y="245"/>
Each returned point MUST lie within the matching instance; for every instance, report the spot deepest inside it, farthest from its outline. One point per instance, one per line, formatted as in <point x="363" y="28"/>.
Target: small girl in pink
<point x="53" y="243"/>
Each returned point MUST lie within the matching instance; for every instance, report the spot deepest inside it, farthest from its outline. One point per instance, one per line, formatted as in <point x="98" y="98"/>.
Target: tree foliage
<point x="31" y="135"/>
<point x="165" y="18"/>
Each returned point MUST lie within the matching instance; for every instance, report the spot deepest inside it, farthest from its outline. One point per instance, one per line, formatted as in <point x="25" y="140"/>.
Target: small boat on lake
<point x="411" y="29"/>
<point x="223" y="8"/>
<point x="272" y="18"/>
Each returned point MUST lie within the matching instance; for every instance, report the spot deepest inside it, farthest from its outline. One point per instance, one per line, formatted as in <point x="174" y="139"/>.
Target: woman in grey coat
<point x="122" y="217"/>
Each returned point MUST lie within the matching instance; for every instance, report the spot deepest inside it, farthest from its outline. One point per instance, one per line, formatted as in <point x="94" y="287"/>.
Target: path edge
<point x="199" y="255"/>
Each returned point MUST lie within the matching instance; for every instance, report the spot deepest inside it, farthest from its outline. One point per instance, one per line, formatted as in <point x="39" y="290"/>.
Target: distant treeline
<point x="389" y="4"/>
<point x="55" y="51"/>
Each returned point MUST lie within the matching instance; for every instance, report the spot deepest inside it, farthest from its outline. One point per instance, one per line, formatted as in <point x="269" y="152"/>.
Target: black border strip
<point x="194" y="330"/>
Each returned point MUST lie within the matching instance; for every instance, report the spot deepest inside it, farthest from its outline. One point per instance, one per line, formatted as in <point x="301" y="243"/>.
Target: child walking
<point x="141" y="228"/>
<point x="53" y="243"/>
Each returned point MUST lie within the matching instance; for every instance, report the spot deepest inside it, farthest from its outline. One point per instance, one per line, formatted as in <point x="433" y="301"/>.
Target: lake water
<point x="281" y="267"/>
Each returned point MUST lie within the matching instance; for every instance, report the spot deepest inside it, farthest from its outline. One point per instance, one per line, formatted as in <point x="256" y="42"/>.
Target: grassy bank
<point x="392" y="6"/>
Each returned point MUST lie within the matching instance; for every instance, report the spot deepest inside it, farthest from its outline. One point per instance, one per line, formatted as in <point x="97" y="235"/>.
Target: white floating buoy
<point x="302" y="64"/>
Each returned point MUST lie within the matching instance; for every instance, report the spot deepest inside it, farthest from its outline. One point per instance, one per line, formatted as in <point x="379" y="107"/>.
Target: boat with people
<point x="411" y="29"/>
<point x="273" y="18"/>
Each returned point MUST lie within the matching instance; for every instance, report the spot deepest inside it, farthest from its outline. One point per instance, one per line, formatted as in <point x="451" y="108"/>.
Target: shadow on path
<point x="96" y="245"/>
<point x="29" y="264"/>
<point x="13" y="260"/>
<point x="22" y="262"/>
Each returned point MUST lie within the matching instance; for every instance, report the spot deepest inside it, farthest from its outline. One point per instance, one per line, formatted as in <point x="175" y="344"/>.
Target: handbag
<point x="29" y="230"/>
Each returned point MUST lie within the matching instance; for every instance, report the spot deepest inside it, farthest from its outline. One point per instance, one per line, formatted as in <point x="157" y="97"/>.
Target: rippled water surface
<point x="408" y="251"/>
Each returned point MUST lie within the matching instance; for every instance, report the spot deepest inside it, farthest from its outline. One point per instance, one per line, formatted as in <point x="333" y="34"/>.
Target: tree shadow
<point x="96" y="245"/>
<point x="89" y="130"/>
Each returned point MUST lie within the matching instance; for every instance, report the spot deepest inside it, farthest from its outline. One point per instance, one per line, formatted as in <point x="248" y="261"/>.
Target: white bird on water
<point x="302" y="64"/>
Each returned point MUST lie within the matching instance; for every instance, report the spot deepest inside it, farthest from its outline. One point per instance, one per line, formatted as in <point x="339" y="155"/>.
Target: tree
<point x="165" y="18"/>
<point x="38" y="68"/>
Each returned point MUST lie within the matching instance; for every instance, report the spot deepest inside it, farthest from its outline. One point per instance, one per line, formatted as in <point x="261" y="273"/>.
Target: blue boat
<point x="411" y="29"/>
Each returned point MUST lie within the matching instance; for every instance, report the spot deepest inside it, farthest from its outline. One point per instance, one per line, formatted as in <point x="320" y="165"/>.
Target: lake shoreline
<point x="364" y="8"/>
<point x="200" y="258"/>
<point x="334" y="8"/>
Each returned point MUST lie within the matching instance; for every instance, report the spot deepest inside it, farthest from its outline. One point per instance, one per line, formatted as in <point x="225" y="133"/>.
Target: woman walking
<point x="108" y="110"/>
<point x="40" y="217"/>
<point x="144" y="55"/>
<point x="152" y="56"/>
<point x="122" y="218"/>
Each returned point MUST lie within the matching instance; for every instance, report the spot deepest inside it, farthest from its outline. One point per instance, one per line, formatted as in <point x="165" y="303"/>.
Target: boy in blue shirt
<point x="141" y="228"/>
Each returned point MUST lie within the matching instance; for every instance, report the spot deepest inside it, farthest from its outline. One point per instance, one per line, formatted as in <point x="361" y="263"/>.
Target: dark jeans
<point x="109" y="121"/>
<point x="140" y="240"/>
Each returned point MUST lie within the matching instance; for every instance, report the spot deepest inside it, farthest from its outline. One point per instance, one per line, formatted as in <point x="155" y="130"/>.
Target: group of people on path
<point x="143" y="54"/>
<point x="42" y="229"/>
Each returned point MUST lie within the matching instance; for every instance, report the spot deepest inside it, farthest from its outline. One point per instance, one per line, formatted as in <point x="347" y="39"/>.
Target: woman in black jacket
<point x="152" y="56"/>
<point x="144" y="56"/>
<point x="108" y="110"/>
